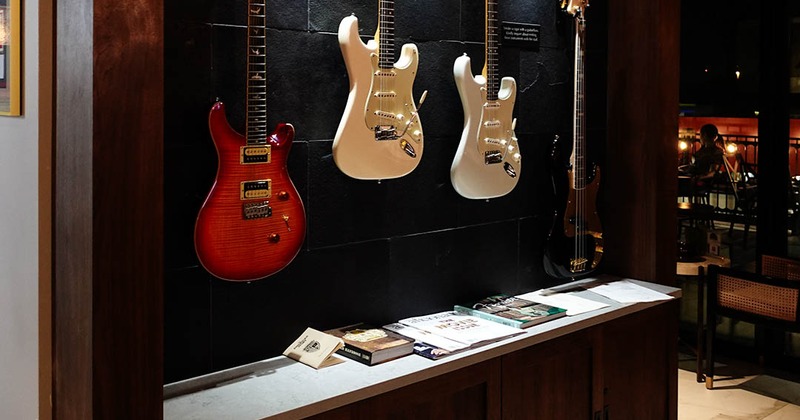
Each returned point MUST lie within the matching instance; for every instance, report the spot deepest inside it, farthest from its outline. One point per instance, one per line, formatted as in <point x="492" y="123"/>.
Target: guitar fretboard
<point x="256" y="73"/>
<point x="580" y="128"/>
<point x="385" y="34"/>
<point x="492" y="44"/>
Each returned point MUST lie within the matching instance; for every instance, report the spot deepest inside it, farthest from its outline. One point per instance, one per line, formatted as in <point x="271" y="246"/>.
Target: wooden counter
<point x="588" y="352"/>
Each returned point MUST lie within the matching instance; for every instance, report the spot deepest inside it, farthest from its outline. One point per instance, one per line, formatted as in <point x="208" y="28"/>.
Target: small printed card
<point x="315" y="348"/>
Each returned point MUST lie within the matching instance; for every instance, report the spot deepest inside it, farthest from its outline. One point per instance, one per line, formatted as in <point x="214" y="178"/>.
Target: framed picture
<point x="10" y="48"/>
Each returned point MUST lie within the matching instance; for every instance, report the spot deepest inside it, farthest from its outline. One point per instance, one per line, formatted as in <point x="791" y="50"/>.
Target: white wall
<point x="19" y="138"/>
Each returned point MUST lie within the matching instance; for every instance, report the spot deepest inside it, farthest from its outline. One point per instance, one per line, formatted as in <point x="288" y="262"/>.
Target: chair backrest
<point x="753" y="297"/>
<point x="780" y="267"/>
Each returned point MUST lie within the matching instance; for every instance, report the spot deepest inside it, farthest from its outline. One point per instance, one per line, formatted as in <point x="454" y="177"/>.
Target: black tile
<point x="308" y="86"/>
<point x="342" y="209"/>
<point x="187" y="324"/>
<point x="425" y="20"/>
<point x="442" y="114"/>
<point x="433" y="272"/>
<point x="533" y="237"/>
<point x="321" y="289"/>
<point x="325" y="15"/>
<point x="473" y="20"/>
<point x="544" y="93"/>
<point x="279" y="14"/>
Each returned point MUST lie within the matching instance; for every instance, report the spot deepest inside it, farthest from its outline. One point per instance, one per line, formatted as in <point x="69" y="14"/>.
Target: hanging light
<point x="682" y="145"/>
<point x="731" y="148"/>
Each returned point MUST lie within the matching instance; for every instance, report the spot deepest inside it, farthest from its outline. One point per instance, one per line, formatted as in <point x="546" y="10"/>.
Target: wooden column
<point x="773" y="130"/>
<point x="108" y="210"/>
<point x="641" y="149"/>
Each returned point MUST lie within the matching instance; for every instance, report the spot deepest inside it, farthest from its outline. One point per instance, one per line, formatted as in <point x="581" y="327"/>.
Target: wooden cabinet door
<point x="640" y="364"/>
<point x="469" y="393"/>
<point x="552" y="380"/>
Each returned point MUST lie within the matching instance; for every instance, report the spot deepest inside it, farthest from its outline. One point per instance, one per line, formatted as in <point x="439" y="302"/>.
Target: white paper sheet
<point x="573" y="304"/>
<point x="627" y="292"/>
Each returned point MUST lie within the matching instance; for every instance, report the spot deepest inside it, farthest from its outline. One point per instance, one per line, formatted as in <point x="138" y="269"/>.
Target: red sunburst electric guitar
<point x="252" y="223"/>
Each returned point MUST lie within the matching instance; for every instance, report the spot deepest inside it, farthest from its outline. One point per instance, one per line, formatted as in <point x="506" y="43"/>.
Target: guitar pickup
<point x="255" y="154"/>
<point x="258" y="210"/>
<point x="249" y="190"/>
<point x="492" y="157"/>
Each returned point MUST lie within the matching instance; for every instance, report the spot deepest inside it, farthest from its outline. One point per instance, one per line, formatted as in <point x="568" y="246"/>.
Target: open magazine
<point x="447" y="332"/>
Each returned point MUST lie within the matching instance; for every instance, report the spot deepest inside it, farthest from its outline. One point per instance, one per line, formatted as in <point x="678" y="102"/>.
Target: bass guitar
<point x="575" y="244"/>
<point x="380" y="134"/>
<point x="252" y="224"/>
<point x="488" y="162"/>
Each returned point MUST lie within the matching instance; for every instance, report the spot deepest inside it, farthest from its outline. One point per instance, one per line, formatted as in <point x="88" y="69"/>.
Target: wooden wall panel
<point x="108" y="233"/>
<point x="643" y="74"/>
<point x="128" y="209"/>
<point x="46" y="114"/>
<point x="72" y="234"/>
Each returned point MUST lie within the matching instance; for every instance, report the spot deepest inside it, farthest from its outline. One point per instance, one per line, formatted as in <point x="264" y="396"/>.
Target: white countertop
<point x="283" y="388"/>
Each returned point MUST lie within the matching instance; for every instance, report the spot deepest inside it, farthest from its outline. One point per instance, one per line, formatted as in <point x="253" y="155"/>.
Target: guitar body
<point x="471" y="175"/>
<point x="248" y="228"/>
<point x="358" y="150"/>
<point x="575" y="243"/>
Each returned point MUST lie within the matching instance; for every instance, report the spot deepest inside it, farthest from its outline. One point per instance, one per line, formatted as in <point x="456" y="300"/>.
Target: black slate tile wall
<point x="374" y="251"/>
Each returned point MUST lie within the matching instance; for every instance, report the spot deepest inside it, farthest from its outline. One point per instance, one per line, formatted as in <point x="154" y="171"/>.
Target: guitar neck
<point x="492" y="43"/>
<point x="385" y="34"/>
<point x="256" y="73"/>
<point x="579" y="134"/>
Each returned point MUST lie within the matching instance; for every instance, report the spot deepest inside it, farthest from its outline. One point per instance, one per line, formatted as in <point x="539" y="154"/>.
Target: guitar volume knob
<point x="274" y="238"/>
<point x="283" y="196"/>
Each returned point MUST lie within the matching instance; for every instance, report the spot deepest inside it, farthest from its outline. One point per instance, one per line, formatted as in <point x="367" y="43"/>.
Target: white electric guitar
<point x="488" y="161"/>
<point x="380" y="135"/>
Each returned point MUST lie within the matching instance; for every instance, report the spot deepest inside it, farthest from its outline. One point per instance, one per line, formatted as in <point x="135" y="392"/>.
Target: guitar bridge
<point x="578" y="264"/>
<point x="255" y="154"/>
<point x="249" y="190"/>
<point x="257" y="210"/>
<point x="493" y="156"/>
<point x="385" y="132"/>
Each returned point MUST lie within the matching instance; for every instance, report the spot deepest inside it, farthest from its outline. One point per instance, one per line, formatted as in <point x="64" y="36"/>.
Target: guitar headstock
<point x="574" y="7"/>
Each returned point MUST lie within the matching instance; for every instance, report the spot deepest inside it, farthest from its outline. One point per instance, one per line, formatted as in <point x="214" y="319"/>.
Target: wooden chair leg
<point x="711" y="332"/>
<point x="700" y="323"/>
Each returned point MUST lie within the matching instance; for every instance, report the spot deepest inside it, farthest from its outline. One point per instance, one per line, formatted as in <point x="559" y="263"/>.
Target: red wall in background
<point x="744" y="127"/>
<point x="734" y="126"/>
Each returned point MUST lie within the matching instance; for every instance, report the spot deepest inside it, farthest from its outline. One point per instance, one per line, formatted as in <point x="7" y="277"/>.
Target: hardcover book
<point x="512" y="311"/>
<point x="370" y="345"/>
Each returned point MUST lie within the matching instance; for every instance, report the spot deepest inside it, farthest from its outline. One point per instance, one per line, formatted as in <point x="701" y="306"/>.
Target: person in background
<point x="710" y="154"/>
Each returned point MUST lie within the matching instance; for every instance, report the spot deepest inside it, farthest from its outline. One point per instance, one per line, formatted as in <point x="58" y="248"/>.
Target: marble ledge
<point x="282" y="388"/>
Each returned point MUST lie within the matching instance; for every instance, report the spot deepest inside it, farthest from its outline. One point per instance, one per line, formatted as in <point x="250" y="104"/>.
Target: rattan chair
<point x="750" y="297"/>
<point x="780" y="267"/>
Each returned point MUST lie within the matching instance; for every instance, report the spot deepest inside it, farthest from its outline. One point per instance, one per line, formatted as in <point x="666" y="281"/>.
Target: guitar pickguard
<point x="389" y="115"/>
<point x="496" y="141"/>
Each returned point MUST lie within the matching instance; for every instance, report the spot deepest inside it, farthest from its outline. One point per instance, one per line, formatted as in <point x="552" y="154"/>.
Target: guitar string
<point x="580" y="170"/>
